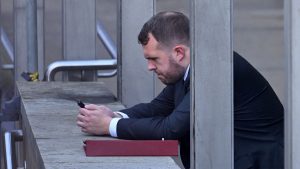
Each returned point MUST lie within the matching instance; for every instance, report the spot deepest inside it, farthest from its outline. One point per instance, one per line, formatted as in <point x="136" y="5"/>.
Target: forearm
<point x="162" y="105"/>
<point x="151" y="128"/>
<point x="114" y="122"/>
<point x="173" y="126"/>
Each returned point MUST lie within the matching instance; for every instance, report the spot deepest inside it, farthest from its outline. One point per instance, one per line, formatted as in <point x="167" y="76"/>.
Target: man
<point x="258" y="114"/>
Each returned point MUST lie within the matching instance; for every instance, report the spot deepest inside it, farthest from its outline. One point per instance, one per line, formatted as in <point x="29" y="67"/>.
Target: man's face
<point x="163" y="62"/>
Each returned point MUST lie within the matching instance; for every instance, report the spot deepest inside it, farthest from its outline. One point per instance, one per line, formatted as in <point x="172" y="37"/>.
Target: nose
<point x="151" y="66"/>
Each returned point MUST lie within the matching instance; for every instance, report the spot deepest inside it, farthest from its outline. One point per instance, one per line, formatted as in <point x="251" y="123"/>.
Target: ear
<point x="179" y="52"/>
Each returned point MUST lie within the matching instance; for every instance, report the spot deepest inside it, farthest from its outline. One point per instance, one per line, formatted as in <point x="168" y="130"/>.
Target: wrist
<point x="106" y="130"/>
<point x="113" y="127"/>
<point x="117" y="115"/>
<point x="121" y="115"/>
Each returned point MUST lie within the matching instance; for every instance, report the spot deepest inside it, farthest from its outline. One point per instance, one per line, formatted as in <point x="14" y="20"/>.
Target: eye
<point x="152" y="59"/>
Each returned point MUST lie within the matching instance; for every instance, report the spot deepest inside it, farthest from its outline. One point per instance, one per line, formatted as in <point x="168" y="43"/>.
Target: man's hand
<point x="95" y="119"/>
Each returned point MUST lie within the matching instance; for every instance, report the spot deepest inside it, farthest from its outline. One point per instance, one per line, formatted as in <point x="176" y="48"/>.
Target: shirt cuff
<point x="122" y="114"/>
<point x="113" y="127"/>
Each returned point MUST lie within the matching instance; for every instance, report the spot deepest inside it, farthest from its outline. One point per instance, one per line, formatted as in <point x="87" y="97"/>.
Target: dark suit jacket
<point x="258" y="119"/>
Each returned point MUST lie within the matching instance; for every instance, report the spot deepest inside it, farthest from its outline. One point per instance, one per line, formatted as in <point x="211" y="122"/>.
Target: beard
<point x="173" y="74"/>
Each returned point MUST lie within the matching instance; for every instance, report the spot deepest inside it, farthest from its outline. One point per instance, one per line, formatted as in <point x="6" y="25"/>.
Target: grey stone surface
<point x="133" y="66"/>
<point x="292" y="116"/>
<point x="53" y="141"/>
<point x="211" y="85"/>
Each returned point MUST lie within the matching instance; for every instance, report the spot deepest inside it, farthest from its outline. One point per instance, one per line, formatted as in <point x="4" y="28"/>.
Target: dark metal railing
<point x="8" y="48"/>
<point x="10" y="139"/>
<point x="57" y="66"/>
<point x="106" y="64"/>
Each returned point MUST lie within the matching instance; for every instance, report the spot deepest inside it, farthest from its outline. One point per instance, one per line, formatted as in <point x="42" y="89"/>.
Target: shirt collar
<point x="186" y="72"/>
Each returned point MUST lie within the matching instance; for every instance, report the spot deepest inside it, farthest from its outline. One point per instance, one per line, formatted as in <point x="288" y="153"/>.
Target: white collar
<point x="186" y="72"/>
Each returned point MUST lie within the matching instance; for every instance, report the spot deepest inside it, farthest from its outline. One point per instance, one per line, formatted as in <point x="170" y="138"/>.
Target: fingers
<point x="82" y="126"/>
<point x="80" y="117"/>
<point x="84" y="111"/>
<point x="92" y="119"/>
<point x="81" y="123"/>
<point x="81" y="120"/>
<point x="84" y="130"/>
<point x="91" y="107"/>
<point x="96" y="107"/>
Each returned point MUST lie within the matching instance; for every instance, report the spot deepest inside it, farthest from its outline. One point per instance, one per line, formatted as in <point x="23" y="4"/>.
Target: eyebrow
<point x="151" y="57"/>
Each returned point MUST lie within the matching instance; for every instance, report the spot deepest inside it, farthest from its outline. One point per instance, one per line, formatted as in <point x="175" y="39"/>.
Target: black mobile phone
<point x="80" y="104"/>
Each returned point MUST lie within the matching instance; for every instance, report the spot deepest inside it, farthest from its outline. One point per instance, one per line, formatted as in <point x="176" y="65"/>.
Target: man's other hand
<point x="95" y="119"/>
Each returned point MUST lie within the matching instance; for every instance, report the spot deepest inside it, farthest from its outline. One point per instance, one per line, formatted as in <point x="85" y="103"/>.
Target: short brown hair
<point x="167" y="28"/>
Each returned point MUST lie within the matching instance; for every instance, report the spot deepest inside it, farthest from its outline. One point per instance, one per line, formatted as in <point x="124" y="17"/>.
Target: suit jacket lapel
<point x="187" y="83"/>
<point x="181" y="88"/>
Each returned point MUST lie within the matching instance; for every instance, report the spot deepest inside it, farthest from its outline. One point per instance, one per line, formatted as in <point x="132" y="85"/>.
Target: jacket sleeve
<point x="172" y="126"/>
<point x="162" y="105"/>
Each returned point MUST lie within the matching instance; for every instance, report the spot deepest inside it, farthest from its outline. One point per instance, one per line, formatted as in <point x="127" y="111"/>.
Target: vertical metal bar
<point x="288" y="163"/>
<point x="119" y="51"/>
<point x="292" y="52"/>
<point x="8" y="151"/>
<point x="79" y="31"/>
<point x="212" y="84"/>
<point x="133" y="14"/>
<point x="32" y="35"/>
<point x="20" y="38"/>
<point x="40" y="38"/>
<point x="10" y="139"/>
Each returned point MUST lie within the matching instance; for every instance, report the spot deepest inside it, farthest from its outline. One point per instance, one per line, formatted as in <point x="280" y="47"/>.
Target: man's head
<point x="165" y="39"/>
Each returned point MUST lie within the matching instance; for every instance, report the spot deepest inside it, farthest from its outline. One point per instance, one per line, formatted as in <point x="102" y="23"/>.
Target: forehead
<point x="152" y="43"/>
<point x="153" y="47"/>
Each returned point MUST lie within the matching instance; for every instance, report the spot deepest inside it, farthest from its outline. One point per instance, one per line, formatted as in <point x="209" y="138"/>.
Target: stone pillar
<point x="292" y="106"/>
<point x="211" y="85"/>
<point x="135" y="82"/>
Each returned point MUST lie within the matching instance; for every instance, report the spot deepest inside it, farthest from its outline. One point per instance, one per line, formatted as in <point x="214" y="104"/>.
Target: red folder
<point x="131" y="147"/>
